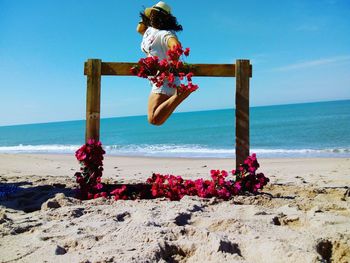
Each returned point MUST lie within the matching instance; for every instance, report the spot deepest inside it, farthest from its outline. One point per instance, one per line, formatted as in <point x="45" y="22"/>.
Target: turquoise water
<point x="319" y="129"/>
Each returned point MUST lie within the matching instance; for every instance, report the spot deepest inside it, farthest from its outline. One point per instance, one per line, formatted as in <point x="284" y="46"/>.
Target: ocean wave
<point x="185" y="151"/>
<point x="50" y="148"/>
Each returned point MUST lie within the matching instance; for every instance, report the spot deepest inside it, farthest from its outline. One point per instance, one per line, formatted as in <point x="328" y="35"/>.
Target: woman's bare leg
<point x="161" y="106"/>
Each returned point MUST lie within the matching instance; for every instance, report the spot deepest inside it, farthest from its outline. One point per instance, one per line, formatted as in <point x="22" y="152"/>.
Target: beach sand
<point x="303" y="215"/>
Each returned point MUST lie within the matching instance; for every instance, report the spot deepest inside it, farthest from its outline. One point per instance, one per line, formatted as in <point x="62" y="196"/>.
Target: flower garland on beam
<point x="165" y="70"/>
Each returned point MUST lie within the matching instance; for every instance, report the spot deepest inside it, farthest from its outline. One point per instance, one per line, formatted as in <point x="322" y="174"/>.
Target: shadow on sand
<point x="23" y="196"/>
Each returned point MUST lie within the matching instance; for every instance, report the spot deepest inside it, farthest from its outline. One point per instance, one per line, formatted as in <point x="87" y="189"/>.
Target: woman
<point x="158" y="27"/>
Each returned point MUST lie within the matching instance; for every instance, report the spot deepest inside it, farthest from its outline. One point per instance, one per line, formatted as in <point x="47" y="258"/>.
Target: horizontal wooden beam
<point x="213" y="70"/>
<point x="199" y="70"/>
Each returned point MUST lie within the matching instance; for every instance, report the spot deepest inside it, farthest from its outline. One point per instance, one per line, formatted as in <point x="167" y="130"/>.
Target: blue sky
<point x="300" y="51"/>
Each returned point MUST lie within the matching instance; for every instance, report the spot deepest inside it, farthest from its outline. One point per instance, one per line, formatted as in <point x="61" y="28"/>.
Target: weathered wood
<point x="243" y="73"/>
<point x="200" y="70"/>
<point x="93" y="95"/>
<point x="213" y="70"/>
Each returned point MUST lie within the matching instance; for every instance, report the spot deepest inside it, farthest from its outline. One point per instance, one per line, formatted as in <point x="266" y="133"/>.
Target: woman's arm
<point x="172" y="42"/>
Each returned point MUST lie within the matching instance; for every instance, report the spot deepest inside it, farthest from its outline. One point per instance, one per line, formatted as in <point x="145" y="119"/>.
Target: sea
<point x="319" y="129"/>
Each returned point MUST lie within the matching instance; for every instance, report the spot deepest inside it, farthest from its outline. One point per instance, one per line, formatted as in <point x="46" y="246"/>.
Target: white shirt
<point x="155" y="42"/>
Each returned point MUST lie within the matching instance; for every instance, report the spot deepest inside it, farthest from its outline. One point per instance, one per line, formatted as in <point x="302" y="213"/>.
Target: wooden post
<point x="93" y="95"/>
<point x="243" y="73"/>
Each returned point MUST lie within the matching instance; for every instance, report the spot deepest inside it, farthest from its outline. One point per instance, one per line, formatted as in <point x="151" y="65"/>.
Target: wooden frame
<point x="242" y="70"/>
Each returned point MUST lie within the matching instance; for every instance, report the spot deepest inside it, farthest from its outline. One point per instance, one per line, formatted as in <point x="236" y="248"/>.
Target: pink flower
<point x="99" y="186"/>
<point x="238" y="186"/>
<point x="81" y="153"/>
<point x="224" y="173"/>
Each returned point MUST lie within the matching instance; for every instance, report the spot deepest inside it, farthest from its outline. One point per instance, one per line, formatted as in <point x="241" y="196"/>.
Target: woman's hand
<point x="141" y="28"/>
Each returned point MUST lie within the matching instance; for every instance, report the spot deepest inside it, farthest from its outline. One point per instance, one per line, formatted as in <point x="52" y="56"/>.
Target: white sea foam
<point x="188" y="151"/>
<point x="50" y="148"/>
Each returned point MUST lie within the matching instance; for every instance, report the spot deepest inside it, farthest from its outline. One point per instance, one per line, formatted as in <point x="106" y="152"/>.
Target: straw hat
<point x="160" y="6"/>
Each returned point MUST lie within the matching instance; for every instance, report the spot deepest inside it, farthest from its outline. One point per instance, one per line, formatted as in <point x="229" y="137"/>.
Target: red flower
<point x="187" y="51"/>
<point x="179" y="65"/>
<point x="163" y="63"/>
<point x="182" y="75"/>
<point x="171" y="78"/>
<point x="80" y="154"/>
<point x="192" y="87"/>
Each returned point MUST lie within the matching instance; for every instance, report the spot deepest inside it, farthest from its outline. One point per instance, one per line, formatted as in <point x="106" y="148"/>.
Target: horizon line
<point x="140" y="115"/>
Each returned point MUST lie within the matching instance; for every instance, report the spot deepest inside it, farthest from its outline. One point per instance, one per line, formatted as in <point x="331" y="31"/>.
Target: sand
<point x="303" y="215"/>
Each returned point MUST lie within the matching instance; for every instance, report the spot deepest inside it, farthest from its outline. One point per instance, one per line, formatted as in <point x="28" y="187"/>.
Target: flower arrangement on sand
<point x="222" y="184"/>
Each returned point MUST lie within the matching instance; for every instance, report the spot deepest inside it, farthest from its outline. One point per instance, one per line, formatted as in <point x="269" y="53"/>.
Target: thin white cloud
<point x="314" y="63"/>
